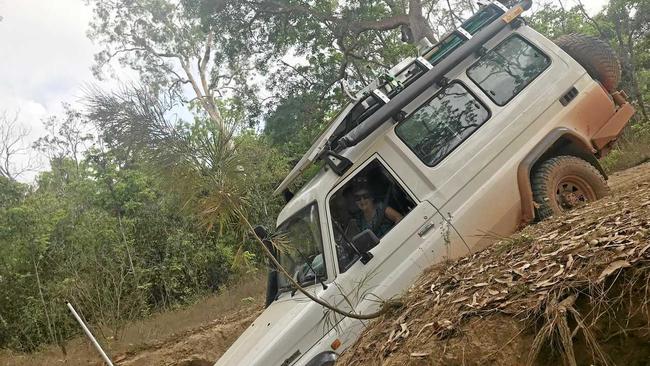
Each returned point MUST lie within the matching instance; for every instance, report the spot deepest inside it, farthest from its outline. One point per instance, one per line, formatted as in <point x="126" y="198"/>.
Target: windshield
<point x="300" y="248"/>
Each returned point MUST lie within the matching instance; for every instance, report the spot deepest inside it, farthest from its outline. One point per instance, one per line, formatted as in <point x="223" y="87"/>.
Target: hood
<point x="285" y="331"/>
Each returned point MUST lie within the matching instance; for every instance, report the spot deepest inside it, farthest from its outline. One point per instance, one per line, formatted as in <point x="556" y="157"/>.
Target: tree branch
<point x="591" y="20"/>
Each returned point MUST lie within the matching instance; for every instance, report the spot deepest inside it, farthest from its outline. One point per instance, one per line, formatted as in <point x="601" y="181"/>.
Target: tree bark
<point x="419" y="25"/>
<point x="206" y="103"/>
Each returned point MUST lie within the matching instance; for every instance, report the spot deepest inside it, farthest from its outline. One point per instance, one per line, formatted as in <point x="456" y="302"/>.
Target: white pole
<point x="90" y="335"/>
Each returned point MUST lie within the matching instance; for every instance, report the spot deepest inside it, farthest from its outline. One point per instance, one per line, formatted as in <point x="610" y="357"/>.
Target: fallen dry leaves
<point x="524" y="276"/>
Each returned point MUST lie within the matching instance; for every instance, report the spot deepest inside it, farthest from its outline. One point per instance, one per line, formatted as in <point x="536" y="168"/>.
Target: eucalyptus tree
<point x="324" y="51"/>
<point x="350" y="38"/>
<point x="214" y="49"/>
<point x="68" y="136"/>
<point x="15" y="158"/>
<point x="172" y="50"/>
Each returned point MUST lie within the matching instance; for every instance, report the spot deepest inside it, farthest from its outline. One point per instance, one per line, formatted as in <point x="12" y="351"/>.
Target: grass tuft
<point x="632" y="149"/>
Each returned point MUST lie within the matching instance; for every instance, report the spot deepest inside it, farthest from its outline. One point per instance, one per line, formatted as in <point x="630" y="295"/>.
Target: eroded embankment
<point x="572" y="290"/>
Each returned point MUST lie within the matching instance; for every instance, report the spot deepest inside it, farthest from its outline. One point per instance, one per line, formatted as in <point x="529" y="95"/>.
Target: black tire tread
<point x="595" y="55"/>
<point x="544" y="174"/>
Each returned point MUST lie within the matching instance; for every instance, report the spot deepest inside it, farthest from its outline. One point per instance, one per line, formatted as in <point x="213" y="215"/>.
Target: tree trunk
<point x="418" y="24"/>
<point x="635" y="83"/>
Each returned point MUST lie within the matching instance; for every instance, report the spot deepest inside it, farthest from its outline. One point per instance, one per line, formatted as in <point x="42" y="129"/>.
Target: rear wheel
<point x="563" y="183"/>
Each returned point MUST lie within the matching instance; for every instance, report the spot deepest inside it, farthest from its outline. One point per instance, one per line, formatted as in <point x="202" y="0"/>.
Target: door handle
<point x="569" y="96"/>
<point x="424" y="229"/>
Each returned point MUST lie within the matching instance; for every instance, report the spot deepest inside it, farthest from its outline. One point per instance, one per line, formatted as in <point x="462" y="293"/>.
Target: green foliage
<point x="307" y="96"/>
<point x="11" y="192"/>
<point x="554" y="21"/>
<point x="106" y="236"/>
<point x="262" y="168"/>
<point x="295" y="123"/>
<point x="107" y="240"/>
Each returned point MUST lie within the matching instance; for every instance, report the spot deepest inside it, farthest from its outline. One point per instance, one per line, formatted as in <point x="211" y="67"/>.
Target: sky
<point x="45" y="59"/>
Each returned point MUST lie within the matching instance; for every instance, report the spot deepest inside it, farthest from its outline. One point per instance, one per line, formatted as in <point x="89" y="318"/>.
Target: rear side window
<point x="442" y="124"/>
<point x="507" y="69"/>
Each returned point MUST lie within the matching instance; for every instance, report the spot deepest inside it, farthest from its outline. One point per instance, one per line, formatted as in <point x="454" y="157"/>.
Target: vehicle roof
<point x="435" y="53"/>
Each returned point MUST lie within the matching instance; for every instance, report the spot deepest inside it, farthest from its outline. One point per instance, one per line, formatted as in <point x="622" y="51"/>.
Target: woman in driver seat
<point x="377" y="217"/>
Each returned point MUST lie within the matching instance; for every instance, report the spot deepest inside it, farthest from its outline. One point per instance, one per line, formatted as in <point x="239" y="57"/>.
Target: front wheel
<point x="563" y="183"/>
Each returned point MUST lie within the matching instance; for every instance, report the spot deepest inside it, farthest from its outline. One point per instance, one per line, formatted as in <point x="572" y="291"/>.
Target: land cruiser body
<point x="492" y="128"/>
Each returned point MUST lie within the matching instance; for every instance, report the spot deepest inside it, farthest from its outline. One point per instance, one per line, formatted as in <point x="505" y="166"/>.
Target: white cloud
<point x="45" y="52"/>
<point x="45" y="59"/>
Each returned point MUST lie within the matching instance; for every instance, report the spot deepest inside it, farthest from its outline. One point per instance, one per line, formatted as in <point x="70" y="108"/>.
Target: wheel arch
<point x="560" y="141"/>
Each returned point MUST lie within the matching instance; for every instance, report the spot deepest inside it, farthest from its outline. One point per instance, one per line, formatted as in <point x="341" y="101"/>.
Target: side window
<point x="507" y="69"/>
<point x="371" y="200"/>
<point x="442" y="124"/>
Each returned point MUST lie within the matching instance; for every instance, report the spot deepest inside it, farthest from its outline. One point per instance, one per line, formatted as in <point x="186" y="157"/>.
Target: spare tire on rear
<point x="595" y="55"/>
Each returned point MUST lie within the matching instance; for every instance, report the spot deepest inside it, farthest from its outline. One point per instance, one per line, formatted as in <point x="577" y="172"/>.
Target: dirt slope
<point x="573" y="290"/>
<point x="198" y="347"/>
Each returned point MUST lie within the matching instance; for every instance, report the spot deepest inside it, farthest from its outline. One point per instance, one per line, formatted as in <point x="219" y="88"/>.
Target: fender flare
<point x="585" y="150"/>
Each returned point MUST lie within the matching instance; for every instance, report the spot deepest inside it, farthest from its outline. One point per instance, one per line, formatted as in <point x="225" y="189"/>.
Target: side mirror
<point x="363" y="242"/>
<point x="263" y="235"/>
<point x="339" y="164"/>
<point x="272" y="276"/>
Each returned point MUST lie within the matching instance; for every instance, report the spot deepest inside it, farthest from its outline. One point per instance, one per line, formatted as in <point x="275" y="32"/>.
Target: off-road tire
<point x="562" y="176"/>
<point x="595" y="55"/>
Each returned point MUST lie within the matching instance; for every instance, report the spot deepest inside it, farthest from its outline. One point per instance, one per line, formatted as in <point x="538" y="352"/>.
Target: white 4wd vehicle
<point x="489" y="129"/>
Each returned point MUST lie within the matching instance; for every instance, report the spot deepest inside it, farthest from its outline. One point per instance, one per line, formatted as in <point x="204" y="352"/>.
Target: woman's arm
<point x="393" y="215"/>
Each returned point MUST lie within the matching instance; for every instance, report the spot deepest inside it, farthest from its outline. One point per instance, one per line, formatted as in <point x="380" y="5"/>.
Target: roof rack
<point x="390" y="84"/>
<point x="396" y="89"/>
<point x="444" y="56"/>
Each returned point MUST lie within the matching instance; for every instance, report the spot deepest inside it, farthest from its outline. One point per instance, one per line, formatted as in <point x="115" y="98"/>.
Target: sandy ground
<point x="199" y="347"/>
